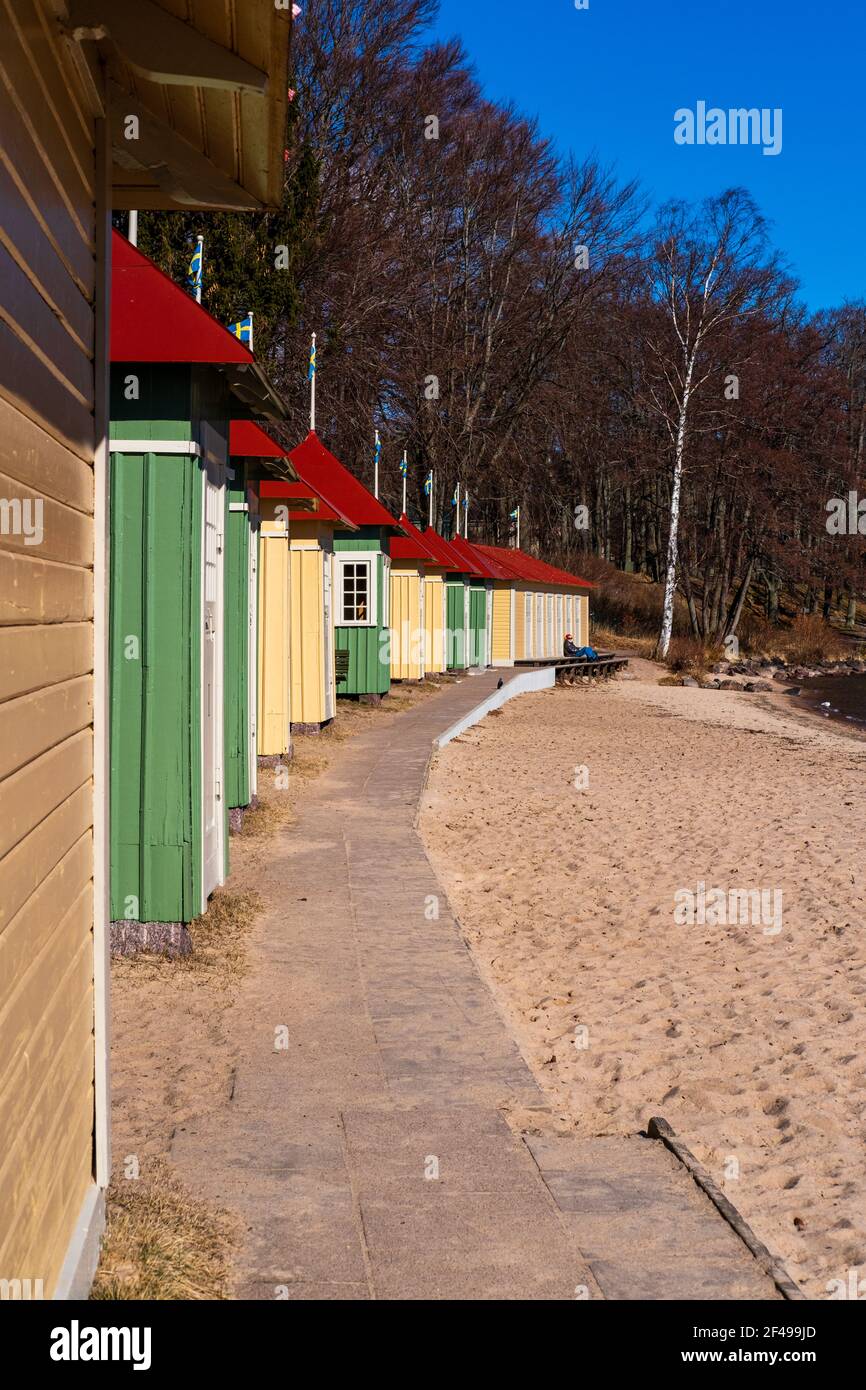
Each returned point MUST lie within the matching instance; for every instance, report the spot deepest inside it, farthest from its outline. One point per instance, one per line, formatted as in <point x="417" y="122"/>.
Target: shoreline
<point x="745" y="1041"/>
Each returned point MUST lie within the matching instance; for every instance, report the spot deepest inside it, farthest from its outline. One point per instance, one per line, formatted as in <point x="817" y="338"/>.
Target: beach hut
<point x="490" y="606"/>
<point x="183" y="609"/>
<point x="210" y="114"/>
<point x="546" y="603"/>
<point x="361" y="589"/>
<point x="458" y="588"/>
<point x="297" y="647"/>
<point x="412" y="561"/>
<point x="444" y="570"/>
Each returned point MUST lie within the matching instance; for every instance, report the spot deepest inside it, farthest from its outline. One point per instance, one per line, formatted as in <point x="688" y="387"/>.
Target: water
<point x="838" y="697"/>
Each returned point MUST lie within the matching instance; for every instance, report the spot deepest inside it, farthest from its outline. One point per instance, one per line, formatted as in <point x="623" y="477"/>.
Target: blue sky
<point x="607" y="80"/>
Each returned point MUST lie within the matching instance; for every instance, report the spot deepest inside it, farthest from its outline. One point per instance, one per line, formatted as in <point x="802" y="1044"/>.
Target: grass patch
<point x="161" y="1243"/>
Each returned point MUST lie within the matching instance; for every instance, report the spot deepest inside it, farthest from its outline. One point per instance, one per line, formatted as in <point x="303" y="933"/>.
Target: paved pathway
<point x="373" y="1156"/>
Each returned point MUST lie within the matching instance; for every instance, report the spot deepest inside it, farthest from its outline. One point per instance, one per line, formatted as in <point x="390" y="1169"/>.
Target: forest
<point x="643" y="382"/>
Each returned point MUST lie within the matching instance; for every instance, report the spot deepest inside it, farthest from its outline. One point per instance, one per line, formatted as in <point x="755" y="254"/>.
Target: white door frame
<point x="253" y="652"/>
<point x="213" y="470"/>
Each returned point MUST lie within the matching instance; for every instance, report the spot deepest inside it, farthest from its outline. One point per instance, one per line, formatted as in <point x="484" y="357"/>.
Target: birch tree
<point x="706" y="269"/>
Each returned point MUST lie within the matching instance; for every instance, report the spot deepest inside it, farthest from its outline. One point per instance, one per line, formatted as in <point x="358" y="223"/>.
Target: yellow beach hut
<point x="296" y="651"/>
<point x="546" y="604"/>
<point x="410" y="556"/>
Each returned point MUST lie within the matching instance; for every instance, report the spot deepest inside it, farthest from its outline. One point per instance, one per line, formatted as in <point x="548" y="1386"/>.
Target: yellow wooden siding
<point x="519" y="625"/>
<point x="501" y="635"/>
<point x="308" y="651"/>
<point x="582" y="638"/>
<point x="274" y="690"/>
<point x="434" y="622"/>
<point x="407" y="626"/>
<point x="48" y="201"/>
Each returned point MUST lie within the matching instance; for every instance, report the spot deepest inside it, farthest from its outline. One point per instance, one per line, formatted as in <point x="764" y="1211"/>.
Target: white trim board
<point x="154" y="446"/>
<point x="524" y="684"/>
<point x="82" y="1253"/>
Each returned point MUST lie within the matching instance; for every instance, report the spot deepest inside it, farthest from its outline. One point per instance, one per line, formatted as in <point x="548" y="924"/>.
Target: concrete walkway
<point x="372" y="1157"/>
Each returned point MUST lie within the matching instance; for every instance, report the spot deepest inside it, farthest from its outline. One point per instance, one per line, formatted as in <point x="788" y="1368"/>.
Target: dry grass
<point x="162" y="1243"/>
<point x="809" y="640"/>
<point x="220" y="939"/>
<point x="603" y="637"/>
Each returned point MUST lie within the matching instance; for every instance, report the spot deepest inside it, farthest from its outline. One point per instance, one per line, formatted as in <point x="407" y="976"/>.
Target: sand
<point x="746" y="1038"/>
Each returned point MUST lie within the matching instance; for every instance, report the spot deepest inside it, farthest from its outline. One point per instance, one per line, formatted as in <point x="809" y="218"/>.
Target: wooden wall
<point x="310" y="643"/>
<point x="274" y="691"/>
<point x="47" y="291"/>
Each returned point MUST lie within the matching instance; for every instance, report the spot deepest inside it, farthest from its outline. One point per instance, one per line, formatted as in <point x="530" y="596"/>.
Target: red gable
<point x="412" y="545"/>
<point x="519" y="565"/>
<point x="154" y="320"/>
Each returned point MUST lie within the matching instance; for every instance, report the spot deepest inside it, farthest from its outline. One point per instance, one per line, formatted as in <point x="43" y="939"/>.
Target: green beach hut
<point x="182" y="602"/>
<point x="361" y="572"/>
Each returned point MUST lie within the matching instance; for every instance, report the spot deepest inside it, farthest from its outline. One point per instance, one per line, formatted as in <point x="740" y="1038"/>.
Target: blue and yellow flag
<point x="243" y="329"/>
<point x="455" y="499"/>
<point x="378" y="447"/>
<point x="403" y="466"/>
<point x="514" y="515"/>
<point x="428" y="483"/>
<point x="194" y="274"/>
<point x="312" y="368"/>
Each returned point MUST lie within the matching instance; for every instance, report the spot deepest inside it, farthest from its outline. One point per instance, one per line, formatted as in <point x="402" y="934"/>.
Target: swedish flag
<point x="312" y="369"/>
<point x="428" y="483"/>
<point x="513" y="515"/>
<point x="193" y="278"/>
<point x="403" y="466"/>
<point x="243" y="330"/>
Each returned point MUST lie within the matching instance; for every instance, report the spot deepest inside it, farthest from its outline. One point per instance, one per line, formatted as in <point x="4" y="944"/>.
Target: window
<point x="356" y="601"/>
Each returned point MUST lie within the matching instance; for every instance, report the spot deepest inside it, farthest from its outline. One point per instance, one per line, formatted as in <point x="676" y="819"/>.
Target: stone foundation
<point x="274" y="759"/>
<point x="156" y="938"/>
<point x="374" y="701"/>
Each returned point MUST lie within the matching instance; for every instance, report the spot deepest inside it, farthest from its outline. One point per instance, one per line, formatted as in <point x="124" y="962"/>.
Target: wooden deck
<point x="570" y="672"/>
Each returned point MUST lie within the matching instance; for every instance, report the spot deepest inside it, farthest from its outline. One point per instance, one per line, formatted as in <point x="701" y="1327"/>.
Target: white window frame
<point x="356" y="557"/>
<point x="386" y="595"/>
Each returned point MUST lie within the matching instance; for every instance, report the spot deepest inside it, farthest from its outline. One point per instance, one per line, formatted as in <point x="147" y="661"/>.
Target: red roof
<point x="445" y="555"/>
<point x="518" y="565"/>
<point x="249" y="440"/>
<point x="317" y="466"/>
<point x="485" y="564"/>
<point x="154" y="320"/>
<point x="412" y="545"/>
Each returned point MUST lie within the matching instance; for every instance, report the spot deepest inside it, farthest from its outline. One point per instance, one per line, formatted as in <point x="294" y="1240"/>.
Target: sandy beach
<point x="573" y="831"/>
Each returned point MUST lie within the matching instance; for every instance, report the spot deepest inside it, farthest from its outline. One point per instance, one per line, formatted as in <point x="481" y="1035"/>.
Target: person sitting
<point x="578" y="653"/>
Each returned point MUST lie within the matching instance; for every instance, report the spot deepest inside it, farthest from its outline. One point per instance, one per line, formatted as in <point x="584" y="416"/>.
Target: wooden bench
<point x="570" y="669"/>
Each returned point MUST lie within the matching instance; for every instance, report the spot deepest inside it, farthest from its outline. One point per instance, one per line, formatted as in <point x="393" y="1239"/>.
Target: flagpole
<point x="518" y="528"/>
<point x="132" y="229"/>
<point x="376" y="469"/>
<point x="405" y="465"/>
<point x="200" y="276"/>
<point x="250" y="317"/>
<point x="430" y="509"/>
<point x="466" y="517"/>
<point x="457" y="523"/>
<point x="313" y="387"/>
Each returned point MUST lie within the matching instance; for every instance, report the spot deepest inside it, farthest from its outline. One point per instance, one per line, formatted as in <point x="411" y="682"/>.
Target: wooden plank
<point x="34" y="857"/>
<point x="49" y="71"/>
<point x="31" y="172"/>
<point x="33" y="386"/>
<point x="36" y="320"/>
<point x="35" y="458"/>
<point x="32" y="793"/>
<point x="69" y="160"/>
<point x="41" y="591"/>
<point x="28" y="240"/>
<point x="31" y="524"/>
<point x="33" y="925"/>
<point x="33" y="723"/>
<point x="37" y="1008"/>
<point x="34" y="657"/>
